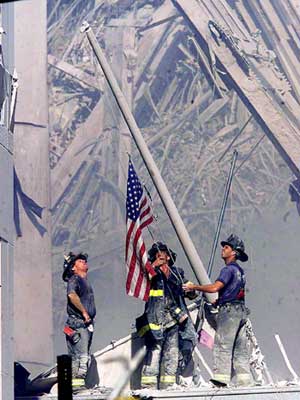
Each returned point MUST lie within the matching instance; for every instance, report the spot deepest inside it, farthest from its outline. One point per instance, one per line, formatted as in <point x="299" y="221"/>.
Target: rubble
<point x="190" y="114"/>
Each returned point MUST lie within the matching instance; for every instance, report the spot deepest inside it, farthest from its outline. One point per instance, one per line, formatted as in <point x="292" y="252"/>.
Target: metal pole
<point x="64" y="377"/>
<point x="158" y="182"/>
<point x="222" y="212"/>
<point x="200" y="317"/>
<point x="124" y="379"/>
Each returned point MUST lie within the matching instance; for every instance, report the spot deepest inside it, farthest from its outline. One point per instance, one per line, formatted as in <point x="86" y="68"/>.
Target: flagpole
<point x="222" y="212"/>
<point x="200" y="317"/>
<point x="169" y="205"/>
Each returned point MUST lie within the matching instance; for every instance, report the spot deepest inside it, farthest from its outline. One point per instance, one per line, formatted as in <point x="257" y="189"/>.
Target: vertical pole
<point x="64" y="377"/>
<point x="125" y="377"/>
<point x="200" y="317"/>
<point x="222" y="212"/>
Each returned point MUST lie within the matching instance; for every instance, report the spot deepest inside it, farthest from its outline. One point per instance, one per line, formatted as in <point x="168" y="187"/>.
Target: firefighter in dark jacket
<point x="165" y="324"/>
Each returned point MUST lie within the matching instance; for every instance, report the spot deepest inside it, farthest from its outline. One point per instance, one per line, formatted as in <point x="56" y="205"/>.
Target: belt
<point x="75" y="317"/>
<point x="78" y="319"/>
<point x="242" y="303"/>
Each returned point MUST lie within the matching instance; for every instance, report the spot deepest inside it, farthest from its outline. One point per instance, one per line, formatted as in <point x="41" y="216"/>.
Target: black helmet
<point x="69" y="262"/>
<point x="238" y="245"/>
<point x="159" y="246"/>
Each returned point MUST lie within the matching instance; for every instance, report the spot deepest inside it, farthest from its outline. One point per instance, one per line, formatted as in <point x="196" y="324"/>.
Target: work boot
<point x="218" y="383"/>
<point x="149" y="382"/>
<point x="166" y="381"/>
<point x="78" y="385"/>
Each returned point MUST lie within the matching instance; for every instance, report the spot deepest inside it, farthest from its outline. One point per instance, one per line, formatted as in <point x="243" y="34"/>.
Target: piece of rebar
<point x="235" y="138"/>
<point x="202" y="359"/>
<point x="250" y="153"/>
<point x="14" y="90"/>
<point x="285" y="357"/>
<point x="64" y="377"/>
<point x="157" y="23"/>
<point x="167" y="201"/>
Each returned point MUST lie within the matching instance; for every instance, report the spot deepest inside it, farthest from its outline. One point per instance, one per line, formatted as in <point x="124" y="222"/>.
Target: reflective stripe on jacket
<point x="164" y="309"/>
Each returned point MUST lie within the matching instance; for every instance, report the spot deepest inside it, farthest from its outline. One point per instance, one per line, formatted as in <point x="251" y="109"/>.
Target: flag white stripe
<point x="136" y="267"/>
<point x="137" y="281"/>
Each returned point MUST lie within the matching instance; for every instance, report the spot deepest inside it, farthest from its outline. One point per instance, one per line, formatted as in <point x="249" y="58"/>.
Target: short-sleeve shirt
<point x="84" y="291"/>
<point x="234" y="280"/>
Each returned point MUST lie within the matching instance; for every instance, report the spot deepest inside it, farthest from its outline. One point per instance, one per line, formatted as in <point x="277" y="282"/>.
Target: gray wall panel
<point x="6" y="197"/>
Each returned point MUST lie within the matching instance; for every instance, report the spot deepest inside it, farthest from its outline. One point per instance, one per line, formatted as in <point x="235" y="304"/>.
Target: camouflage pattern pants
<point x="231" y="348"/>
<point x="161" y="361"/>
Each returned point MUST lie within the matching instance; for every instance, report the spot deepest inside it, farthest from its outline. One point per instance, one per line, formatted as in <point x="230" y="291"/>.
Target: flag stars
<point x="134" y="194"/>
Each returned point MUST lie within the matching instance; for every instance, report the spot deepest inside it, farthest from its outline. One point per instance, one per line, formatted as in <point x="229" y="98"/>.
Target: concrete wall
<point x="6" y="218"/>
<point x="6" y="268"/>
<point x="33" y="282"/>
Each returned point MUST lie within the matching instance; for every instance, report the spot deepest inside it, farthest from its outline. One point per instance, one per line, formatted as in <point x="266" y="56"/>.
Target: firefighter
<point x="165" y="323"/>
<point x="81" y="312"/>
<point x="231" y="351"/>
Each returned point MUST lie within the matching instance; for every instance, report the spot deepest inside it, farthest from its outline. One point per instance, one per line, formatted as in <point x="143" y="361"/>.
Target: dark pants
<point x="161" y="361"/>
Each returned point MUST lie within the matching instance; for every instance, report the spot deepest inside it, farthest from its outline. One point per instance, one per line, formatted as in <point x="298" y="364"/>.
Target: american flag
<point x="138" y="216"/>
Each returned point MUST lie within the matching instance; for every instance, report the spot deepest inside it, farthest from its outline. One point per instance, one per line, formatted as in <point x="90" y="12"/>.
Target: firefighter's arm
<point x="191" y="294"/>
<point x="210" y="288"/>
<point x="75" y="300"/>
<point x="152" y="269"/>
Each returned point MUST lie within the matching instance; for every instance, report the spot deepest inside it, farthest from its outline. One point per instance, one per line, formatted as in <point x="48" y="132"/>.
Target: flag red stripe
<point x="147" y="291"/>
<point x="135" y="244"/>
<point x="144" y="201"/>
<point x="146" y="223"/>
<point x="133" y="257"/>
<point x="128" y="237"/>
<point x="139" y="283"/>
<point x="137" y="279"/>
<point x="130" y="273"/>
<point x="133" y="270"/>
<point x="144" y="213"/>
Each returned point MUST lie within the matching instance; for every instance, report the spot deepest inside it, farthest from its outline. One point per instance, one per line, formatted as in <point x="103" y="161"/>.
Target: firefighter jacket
<point x="166" y="307"/>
